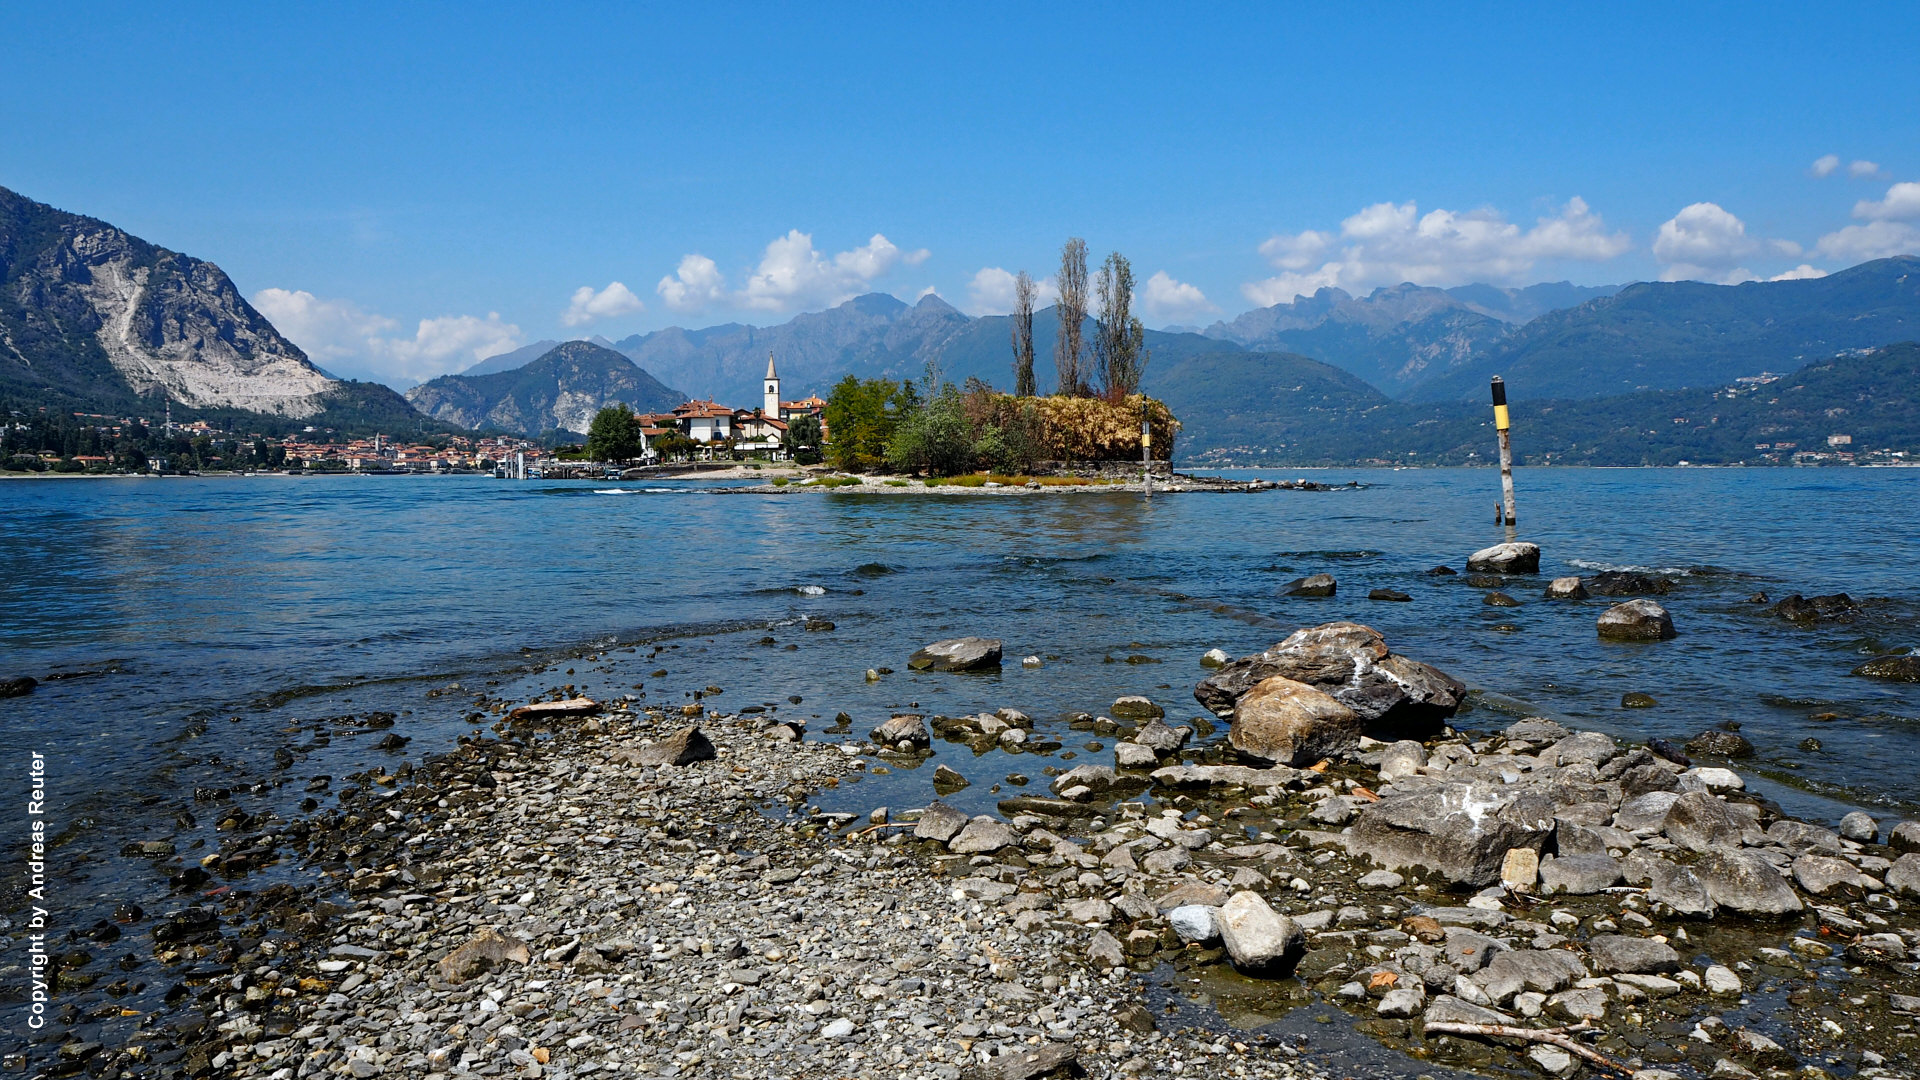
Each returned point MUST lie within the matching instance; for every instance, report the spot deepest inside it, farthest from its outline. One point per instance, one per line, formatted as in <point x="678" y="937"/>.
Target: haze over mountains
<point x="93" y="319"/>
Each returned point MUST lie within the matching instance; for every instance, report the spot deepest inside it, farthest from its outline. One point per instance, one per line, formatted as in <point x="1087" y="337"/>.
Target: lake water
<point x="217" y="618"/>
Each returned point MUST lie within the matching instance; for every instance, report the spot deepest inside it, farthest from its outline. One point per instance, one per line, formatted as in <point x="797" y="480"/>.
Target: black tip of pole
<point x="1499" y="391"/>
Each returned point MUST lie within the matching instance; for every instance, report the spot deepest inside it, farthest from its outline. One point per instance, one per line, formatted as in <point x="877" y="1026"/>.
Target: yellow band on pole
<point x="1500" y="417"/>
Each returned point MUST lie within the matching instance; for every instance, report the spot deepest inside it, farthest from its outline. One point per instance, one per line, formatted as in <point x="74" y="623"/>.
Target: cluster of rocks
<point x="617" y="899"/>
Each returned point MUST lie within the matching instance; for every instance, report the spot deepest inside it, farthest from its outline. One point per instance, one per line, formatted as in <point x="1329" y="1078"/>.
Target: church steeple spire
<point x="770" y="408"/>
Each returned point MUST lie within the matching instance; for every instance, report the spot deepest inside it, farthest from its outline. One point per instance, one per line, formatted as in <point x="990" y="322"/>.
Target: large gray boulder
<point x="1646" y="811"/>
<point x="1291" y="723"/>
<point x="907" y="731"/>
<point x="1614" y="954"/>
<point x="939" y="822"/>
<point x="1636" y="620"/>
<point x="982" y="835"/>
<point x="683" y="747"/>
<point x="1698" y="821"/>
<point x="1578" y="875"/>
<point x="1461" y="832"/>
<point x="1542" y="971"/>
<point x="1904" y="876"/>
<point x="1258" y="939"/>
<point x="1746" y="883"/>
<point x="1517" y="558"/>
<point x="957" y="654"/>
<point x="1677" y="887"/>
<point x="1352" y="664"/>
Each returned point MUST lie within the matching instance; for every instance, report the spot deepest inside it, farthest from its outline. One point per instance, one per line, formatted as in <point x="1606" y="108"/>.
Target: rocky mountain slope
<point x="92" y="315"/>
<point x="875" y="335"/>
<point x="561" y="390"/>
<point x="1665" y="335"/>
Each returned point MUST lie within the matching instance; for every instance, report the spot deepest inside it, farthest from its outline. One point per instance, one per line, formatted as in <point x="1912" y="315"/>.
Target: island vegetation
<point x="930" y="426"/>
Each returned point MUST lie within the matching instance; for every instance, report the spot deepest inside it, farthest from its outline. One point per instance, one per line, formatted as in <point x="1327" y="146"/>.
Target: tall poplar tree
<point x="1068" y="348"/>
<point x="1023" y="335"/>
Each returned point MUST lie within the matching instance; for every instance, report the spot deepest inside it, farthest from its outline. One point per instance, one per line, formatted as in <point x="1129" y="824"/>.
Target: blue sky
<point x="403" y="191"/>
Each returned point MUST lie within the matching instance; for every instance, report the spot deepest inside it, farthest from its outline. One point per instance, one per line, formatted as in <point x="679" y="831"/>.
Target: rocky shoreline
<point x="630" y="890"/>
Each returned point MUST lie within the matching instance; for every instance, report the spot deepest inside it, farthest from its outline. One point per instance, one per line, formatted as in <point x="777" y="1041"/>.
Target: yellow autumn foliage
<point x="1094" y="429"/>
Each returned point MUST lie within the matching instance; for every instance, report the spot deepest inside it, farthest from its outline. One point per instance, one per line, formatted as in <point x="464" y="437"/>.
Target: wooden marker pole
<point x="1503" y="514"/>
<point x="1146" y="455"/>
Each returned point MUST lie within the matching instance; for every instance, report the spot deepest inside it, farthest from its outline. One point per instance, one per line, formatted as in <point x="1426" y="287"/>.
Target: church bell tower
<point x="771" y="407"/>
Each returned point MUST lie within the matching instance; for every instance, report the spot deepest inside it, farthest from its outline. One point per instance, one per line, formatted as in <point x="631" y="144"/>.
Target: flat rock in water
<point x="1628" y="583"/>
<point x="1136" y="707"/>
<point x="1716" y="743"/>
<point x="1291" y="723"/>
<point x="957" y="654"/>
<point x="541" y="710"/>
<point x="1566" y="588"/>
<point x="1892" y="668"/>
<point x="1311" y="585"/>
<point x="18" y="687"/>
<point x="1803" y="609"/>
<point x="683" y="747"/>
<point x="1218" y="776"/>
<point x="1515" y="558"/>
<point x="1636" y="620"/>
<point x="485" y="951"/>
<point x="1391" y="595"/>
<point x="1352" y="664"/>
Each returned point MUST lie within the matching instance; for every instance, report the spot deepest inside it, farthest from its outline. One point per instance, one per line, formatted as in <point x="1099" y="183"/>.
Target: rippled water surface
<point x="205" y="620"/>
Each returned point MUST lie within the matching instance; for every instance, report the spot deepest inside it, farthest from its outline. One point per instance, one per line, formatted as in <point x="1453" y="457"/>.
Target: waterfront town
<point x="102" y="443"/>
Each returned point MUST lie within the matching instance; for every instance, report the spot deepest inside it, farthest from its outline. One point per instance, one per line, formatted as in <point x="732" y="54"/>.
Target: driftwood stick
<point x="1555" y="1036"/>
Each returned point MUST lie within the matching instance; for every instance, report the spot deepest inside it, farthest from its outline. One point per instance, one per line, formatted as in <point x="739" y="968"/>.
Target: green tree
<point x="862" y="415"/>
<point x="1023" y="293"/>
<point x="937" y="438"/>
<point x="1119" y="341"/>
<point x="803" y="438"/>
<point x="614" y="434"/>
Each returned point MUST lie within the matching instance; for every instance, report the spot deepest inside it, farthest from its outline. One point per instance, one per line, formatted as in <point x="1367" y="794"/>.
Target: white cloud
<point x="792" y="274"/>
<point x="328" y="331"/>
<point x="1861" y="170"/>
<point x="1385" y="244"/>
<point x="1825" y="164"/>
<point x="613" y="301"/>
<point x="1167" y="299"/>
<point x="1705" y="242"/>
<point x="1901" y="204"/>
<point x="991" y="292"/>
<point x="448" y="343"/>
<point x="1874" y="240"/>
<point x="694" y="286"/>
<point x="333" y="331"/>
<point x="1799" y="273"/>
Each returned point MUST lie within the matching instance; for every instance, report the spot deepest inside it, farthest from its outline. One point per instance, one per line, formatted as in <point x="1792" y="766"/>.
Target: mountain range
<point x="558" y="391"/>
<point x="93" y="319"/>
<point x="96" y="319"/>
